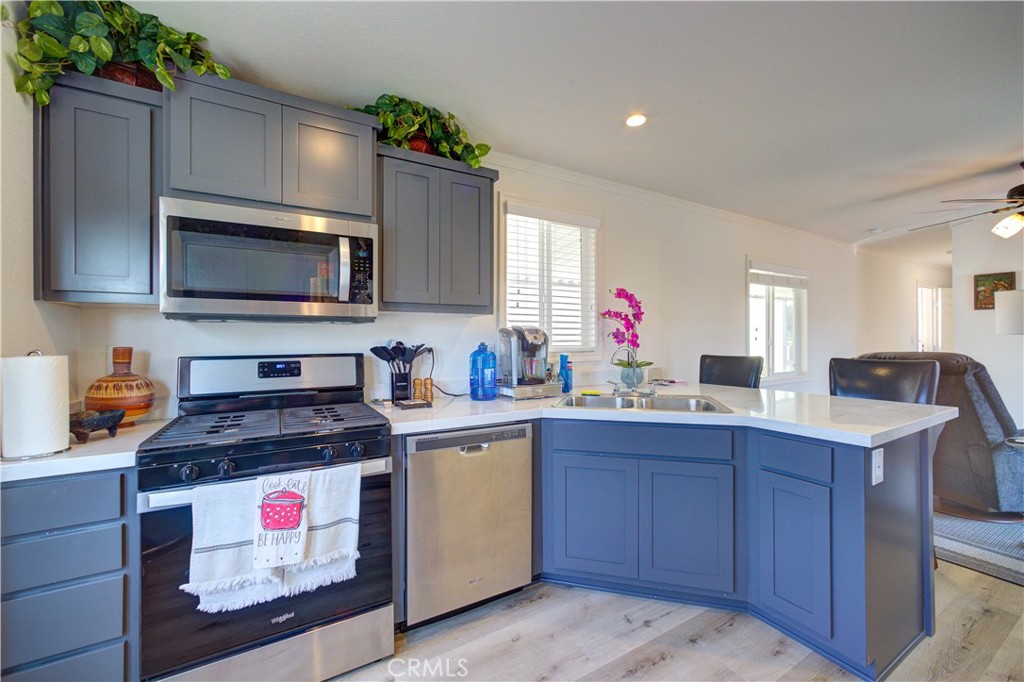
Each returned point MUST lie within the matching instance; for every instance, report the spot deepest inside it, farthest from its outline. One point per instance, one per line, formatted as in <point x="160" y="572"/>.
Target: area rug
<point x="996" y="549"/>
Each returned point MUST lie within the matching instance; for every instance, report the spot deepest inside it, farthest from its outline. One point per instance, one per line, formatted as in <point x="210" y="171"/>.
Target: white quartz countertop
<point x="865" y="423"/>
<point x="101" y="453"/>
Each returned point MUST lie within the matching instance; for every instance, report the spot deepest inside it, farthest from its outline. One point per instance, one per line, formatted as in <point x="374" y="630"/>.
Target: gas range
<point x="240" y="418"/>
<point x="249" y="416"/>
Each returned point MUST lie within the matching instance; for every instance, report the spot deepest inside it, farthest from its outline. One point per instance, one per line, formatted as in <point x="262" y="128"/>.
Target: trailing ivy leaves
<point x="83" y="61"/>
<point x="402" y="119"/>
<point x="84" y="36"/>
<point x="91" y="25"/>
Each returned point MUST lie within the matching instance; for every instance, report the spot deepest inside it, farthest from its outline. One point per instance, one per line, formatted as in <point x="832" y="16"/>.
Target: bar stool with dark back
<point x="731" y="370"/>
<point x="902" y="381"/>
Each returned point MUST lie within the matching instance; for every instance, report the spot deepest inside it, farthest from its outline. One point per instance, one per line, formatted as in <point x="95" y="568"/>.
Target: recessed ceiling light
<point x="875" y="230"/>
<point x="636" y="120"/>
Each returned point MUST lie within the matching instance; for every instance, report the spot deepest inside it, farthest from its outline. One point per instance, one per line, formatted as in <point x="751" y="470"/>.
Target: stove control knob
<point x="189" y="473"/>
<point x="357" y="449"/>
<point x="226" y="468"/>
<point x="330" y="452"/>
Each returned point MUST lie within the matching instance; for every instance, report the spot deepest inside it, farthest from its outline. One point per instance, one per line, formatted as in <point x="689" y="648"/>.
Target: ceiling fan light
<point x="1009" y="226"/>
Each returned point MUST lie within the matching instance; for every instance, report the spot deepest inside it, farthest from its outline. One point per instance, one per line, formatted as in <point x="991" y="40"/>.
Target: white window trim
<point x="780" y="378"/>
<point x="511" y="204"/>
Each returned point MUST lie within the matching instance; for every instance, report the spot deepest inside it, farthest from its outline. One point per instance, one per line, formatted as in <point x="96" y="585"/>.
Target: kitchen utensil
<point x="384" y="354"/>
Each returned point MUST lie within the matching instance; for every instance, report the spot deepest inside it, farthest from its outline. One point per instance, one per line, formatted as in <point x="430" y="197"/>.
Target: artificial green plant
<point x="83" y="36"/>
<point x="405" y="119"/>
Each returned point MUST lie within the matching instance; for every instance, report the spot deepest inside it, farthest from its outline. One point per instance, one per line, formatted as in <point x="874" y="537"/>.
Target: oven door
<point x="224" y="262"/>
<point x="175" y="636"/>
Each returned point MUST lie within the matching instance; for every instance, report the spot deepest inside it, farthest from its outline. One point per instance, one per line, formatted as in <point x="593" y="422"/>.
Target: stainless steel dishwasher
<point x="468" y="517"/>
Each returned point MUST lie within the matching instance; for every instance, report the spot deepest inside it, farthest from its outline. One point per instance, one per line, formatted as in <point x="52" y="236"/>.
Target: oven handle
<point x="165" y="499"/>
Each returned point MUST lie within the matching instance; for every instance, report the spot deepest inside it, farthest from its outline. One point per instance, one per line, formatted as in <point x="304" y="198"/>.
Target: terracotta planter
<point x="121" y="390"/>
<point x="130" y="73"/>
<point x="419" y="143"/>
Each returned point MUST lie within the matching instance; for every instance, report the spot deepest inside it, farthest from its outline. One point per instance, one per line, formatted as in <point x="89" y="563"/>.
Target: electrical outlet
<point x="877" y="466"/>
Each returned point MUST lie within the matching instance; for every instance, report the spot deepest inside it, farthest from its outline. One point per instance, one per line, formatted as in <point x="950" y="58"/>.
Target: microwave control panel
<point x="361" y="287"/>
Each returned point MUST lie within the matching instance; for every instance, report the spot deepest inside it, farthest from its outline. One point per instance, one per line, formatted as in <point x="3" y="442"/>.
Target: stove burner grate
<point x="213" y="429"/>
<point x="324" y="418"/>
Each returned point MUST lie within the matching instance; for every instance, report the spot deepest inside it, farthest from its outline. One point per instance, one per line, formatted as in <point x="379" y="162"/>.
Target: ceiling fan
<point x="1006" y="227"/>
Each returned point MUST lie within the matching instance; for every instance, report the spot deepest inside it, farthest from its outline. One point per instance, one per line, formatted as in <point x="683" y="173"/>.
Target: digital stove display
<point x="275" y="370"/>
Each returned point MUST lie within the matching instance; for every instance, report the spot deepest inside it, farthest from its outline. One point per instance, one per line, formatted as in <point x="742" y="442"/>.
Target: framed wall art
<point x="985" y="287"/>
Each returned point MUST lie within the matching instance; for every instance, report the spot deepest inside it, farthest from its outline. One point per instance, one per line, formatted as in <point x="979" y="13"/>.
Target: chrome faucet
<point x="619" y="389"/>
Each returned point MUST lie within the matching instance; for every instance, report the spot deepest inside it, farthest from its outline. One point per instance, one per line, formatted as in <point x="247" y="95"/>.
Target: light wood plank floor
<point x="553" y="632"/>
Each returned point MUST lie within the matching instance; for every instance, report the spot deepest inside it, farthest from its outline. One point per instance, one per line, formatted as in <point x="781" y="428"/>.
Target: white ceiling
<point x="831" y="117"/>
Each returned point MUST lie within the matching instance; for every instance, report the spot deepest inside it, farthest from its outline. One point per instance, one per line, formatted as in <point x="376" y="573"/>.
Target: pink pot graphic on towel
<point x="281" y="510"/>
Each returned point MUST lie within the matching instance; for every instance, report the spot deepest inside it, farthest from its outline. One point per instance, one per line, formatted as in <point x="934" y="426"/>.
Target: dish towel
<point x="229" y="571"/>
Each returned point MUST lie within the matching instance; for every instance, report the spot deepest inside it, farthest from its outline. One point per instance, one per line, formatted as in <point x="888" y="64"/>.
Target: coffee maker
<point x="523" y="364"/>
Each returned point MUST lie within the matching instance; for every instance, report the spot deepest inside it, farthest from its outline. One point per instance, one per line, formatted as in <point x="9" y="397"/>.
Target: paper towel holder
<point x="35" y="352"/>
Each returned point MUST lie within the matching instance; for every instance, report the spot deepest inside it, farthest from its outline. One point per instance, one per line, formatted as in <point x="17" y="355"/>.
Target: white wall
<point x="26" y="324"/>
<point x="887" y="300"/>
<point x="977" y="251"/>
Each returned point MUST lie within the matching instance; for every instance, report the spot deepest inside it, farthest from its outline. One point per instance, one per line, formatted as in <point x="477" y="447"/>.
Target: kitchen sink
<point x="668" y="403"/>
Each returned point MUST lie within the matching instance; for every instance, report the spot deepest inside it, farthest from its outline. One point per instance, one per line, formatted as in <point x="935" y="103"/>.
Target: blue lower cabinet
<point x="686" y="524"/>
<point x="794" y="572"/>
<point x="594" y="519"/>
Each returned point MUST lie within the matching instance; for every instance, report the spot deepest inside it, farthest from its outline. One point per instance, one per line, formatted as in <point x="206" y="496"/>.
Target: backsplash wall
<point x="686" y="262"/>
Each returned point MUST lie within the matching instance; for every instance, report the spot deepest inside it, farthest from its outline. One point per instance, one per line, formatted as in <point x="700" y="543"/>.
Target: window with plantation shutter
<point x="549" y="275"/>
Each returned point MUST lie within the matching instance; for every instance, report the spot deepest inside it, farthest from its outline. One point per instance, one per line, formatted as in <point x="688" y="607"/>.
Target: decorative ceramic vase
<point x="121" y="390"/>
<point x="632" y="376"/>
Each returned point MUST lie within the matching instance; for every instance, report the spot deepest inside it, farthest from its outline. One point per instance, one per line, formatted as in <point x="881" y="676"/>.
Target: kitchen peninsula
<point x="810" y="512"/>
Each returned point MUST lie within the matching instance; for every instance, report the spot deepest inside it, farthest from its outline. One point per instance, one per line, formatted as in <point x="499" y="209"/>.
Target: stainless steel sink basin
<point x="603" y="401"/>
<point x="669" y="403"/>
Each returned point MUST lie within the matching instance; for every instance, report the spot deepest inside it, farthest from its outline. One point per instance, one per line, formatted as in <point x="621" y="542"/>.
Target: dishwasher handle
<point x="469" y="440"/>
<point x="477" y="449"/>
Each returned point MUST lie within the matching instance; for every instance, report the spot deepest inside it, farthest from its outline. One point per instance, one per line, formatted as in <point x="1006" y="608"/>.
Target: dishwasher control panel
<point x="441" y="441"/>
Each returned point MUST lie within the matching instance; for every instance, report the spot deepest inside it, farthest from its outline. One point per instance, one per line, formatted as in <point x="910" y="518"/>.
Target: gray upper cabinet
<point x="224" y="143"/>
<point x="238" y="140"/>
<point x="328" y="163"/>
<point x="411" y="233"/>
<point x="96" y="147"/>
<point x="467" y="238"/>
<point x="438" y="234"/>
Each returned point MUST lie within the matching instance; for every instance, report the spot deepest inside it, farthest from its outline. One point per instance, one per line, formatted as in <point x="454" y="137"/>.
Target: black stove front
<point x="204" y="448"/>
<point x="304" y="426"/>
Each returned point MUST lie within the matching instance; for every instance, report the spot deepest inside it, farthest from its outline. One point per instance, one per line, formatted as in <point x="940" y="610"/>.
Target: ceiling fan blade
<point x="953" y="220"/>
<point x="981" y="201"/>
<point x="937" y="210"/>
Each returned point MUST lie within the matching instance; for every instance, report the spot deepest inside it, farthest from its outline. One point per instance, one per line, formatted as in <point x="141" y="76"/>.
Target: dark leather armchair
<point x="974" y="467"/>
<point x="731" y="370"/>
<point x="902" y="381"/>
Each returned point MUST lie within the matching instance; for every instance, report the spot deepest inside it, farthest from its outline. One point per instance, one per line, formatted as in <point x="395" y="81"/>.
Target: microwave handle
<point x="344" y="268"/>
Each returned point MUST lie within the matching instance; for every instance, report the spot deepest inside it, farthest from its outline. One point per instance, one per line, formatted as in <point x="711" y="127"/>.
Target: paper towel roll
<point x="34" y="400"/>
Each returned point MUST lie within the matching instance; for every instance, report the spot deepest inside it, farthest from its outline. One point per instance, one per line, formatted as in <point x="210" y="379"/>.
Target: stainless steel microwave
<point x="223" y="262"/>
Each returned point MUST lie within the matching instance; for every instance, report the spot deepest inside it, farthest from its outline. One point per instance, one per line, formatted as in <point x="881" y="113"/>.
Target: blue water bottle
<point x="483" y="379"/>
<point x="565" y="373"/>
